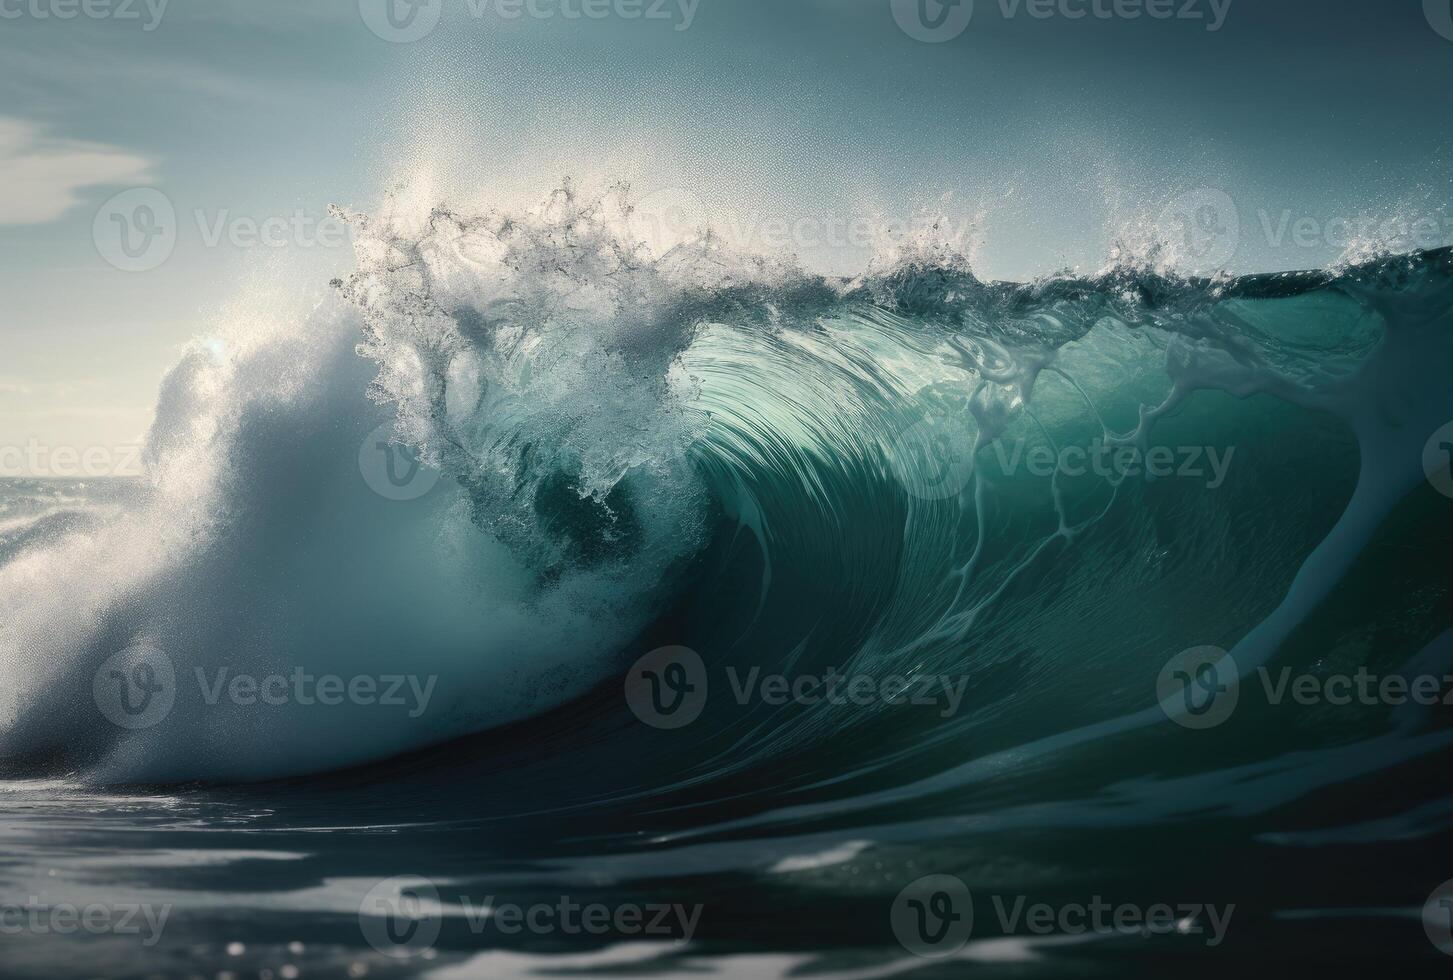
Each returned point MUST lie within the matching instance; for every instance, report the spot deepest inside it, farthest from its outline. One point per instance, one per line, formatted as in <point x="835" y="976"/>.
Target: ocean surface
<point x="543" y="607"/>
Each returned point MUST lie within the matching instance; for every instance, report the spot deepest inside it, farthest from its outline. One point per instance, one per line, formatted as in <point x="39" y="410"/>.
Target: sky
<point x="166" y="166"/>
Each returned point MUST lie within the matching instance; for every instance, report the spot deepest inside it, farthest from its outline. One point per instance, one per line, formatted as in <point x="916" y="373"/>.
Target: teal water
<point x="657" y="486"/>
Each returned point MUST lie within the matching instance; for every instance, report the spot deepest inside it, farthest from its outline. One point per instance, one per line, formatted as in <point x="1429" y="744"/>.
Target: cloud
<point x="41" y="177"/>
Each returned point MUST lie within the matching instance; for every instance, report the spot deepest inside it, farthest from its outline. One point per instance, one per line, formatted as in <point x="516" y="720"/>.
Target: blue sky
<point x="1051" y="134"/>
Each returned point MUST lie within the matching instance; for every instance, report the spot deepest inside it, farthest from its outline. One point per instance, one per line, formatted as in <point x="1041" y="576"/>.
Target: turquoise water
<point x="839" y="622"/>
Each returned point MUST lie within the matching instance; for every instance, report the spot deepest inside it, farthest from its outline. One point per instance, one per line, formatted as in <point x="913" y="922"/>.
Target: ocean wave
<point x="724" y="453"/>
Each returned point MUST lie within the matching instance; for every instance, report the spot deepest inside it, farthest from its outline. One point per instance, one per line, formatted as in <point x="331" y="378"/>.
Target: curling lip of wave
<point x="593" y="407"/>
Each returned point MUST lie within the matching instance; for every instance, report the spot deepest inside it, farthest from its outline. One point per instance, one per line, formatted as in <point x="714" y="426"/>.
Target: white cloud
<point x="41" y="177"/>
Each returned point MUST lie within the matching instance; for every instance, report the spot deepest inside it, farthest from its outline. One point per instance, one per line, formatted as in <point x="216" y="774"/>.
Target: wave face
<point x="908" y="475"/>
